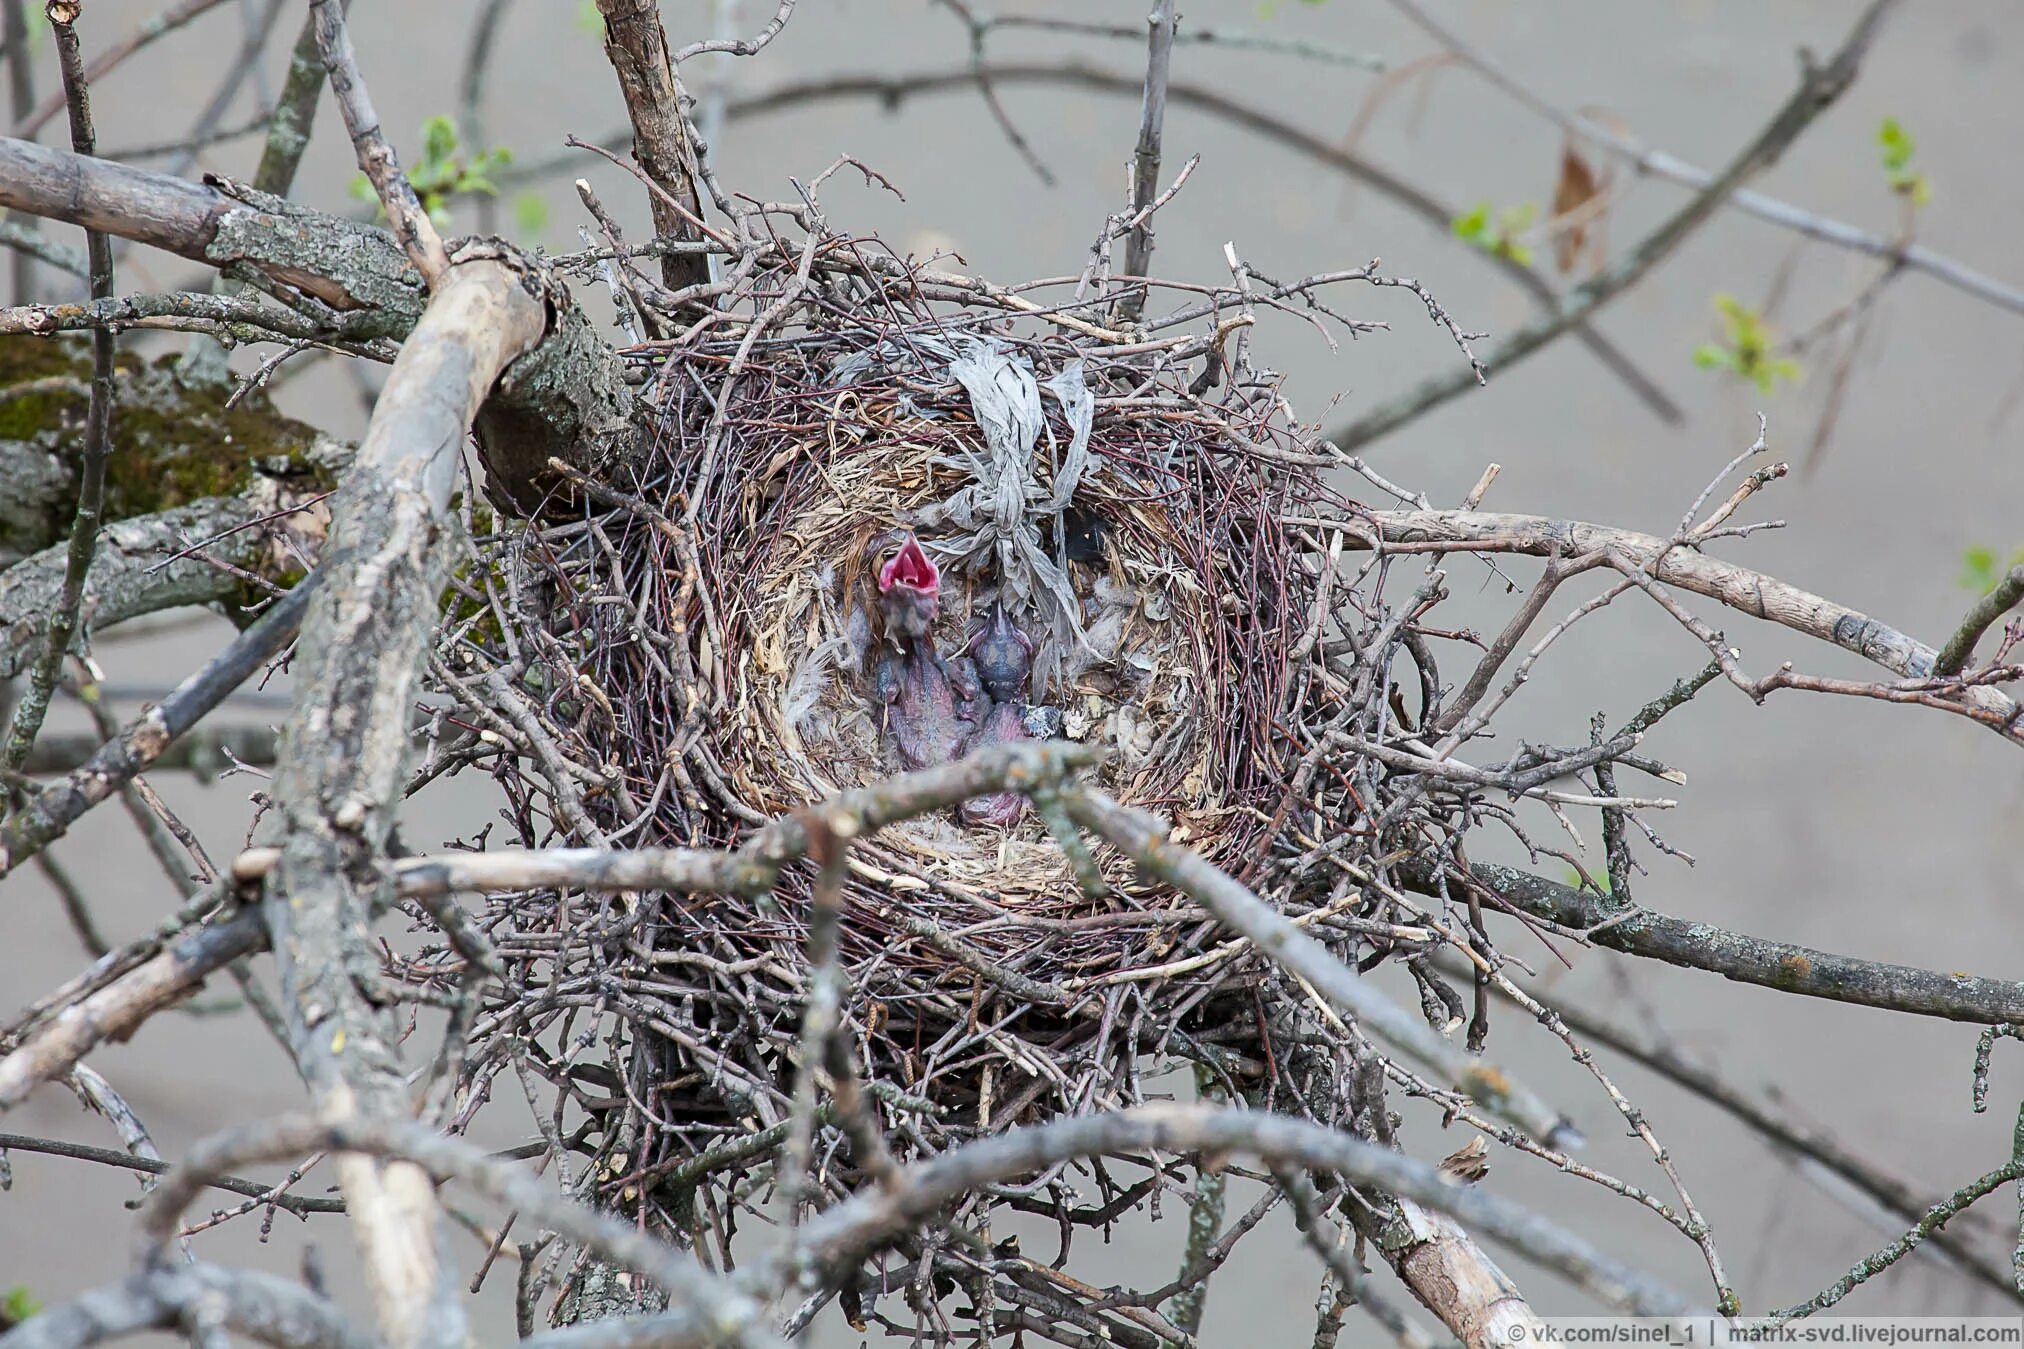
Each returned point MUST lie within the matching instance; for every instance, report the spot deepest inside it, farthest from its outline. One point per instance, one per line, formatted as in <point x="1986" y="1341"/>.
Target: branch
<point x="1145" y="159"/>
<point x="1743" y="958"/>
<point x="116" y="1011"/>
<point x="728" y="1311"/>
<point x="64" y="615"/>
<point x="153" y="1166"/>
<point x="1658" y="163"/>
<point x="288" y="249"/>
<point x="258" y="1306"/>
<point x="1144" y="840"/>
<point x="1886" y="1190"/>
<point x="1818" y="90"/>
<point x="2004" y="596"/>
<point x="567" y="399"/>
<point x="204" y="750"/>
<point x="1748" y="591"/>
<point x="58" y="806"/>
<point x="411" y="224"/>
<point x="637" y="47"/>
<point x="891" y="90"/>
<point x="840" y="1237"/>
<point x="344" y="750"/>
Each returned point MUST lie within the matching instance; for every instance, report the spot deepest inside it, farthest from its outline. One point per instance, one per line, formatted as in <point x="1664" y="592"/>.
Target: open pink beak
<point x="911" y="569"/>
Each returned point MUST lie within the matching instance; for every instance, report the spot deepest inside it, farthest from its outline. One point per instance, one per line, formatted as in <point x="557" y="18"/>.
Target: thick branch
<point x="1746" y="959"/>
<point x="128" y="577"/>
<point x="258" y="1306"/>
<point x="567" y="399"/>
<point x="343" y="264"/>
<point x="637" y="46"/>
<point x="344" y="753"/>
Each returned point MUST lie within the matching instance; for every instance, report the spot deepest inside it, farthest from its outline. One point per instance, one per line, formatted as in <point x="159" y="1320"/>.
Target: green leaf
<point x="1748" y="349"/>
<point x="17" y="1306"/>
<point x="439" y="140"/>
<point x="1471" y="223"/>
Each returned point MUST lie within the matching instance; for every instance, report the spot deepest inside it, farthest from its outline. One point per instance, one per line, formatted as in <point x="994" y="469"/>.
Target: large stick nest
<point x="705" y="664"/>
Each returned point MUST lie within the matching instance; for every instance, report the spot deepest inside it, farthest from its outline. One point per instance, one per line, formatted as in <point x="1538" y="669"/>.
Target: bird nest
<point x="709" y="661"/>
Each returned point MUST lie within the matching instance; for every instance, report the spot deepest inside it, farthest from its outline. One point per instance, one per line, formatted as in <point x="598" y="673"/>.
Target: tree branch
<point x="344" y="750"/>
<point x="839" y="1237"/>
<point x="62" y="617"/>
<point x="1145" y="159"/>
<point x="60" y="805"/>
<point x="116" y="1011"/>
<point x="1817" y="91"/>
<point x="1749" y="960"/>
<point x="1750" y="592"/>
<point x="376" y="157"/>
<point x="2004" y="596"/>
<point x="637" y="46"/>
<point x="258" y="1306"/>
<point x="891" y="90"/>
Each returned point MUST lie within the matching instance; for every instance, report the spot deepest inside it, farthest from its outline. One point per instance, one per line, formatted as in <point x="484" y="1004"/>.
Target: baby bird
<point x="1003" y="656"/>
<point x="911" y="679"/>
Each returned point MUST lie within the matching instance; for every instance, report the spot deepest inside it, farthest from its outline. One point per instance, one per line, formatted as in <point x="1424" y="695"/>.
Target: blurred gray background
<point x="1880" y="831"/>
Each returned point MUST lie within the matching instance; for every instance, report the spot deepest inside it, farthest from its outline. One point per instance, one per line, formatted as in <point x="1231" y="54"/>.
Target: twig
<point x="1145" y="160"/>
<point x="376" y="157"/>
<point x="60" y="805"/>
<point x="2004" y="596"/>
<point x="1817" y="91"/>
<point x="26" y="722"/>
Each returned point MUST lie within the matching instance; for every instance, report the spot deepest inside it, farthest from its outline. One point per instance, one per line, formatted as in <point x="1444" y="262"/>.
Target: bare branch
<point x="115" y="1012"/>
<point x="891" y="90"/>
<point x="843" y="1235"/>
<point x="2004" y="596"/>
<point x="63" y="616"/>
<point x="637" y="46"/>
<point x="411" y="224"/>
<point x="1750" y="960"/>
<point x="1818" y="90"/>
<point x="1658" y="163"/>
<point x="60" y="805"/>
<point x="1750" y="592"/>
<point x="344" y="749"/>
<point x="1145" y="159"/>
<point x="258" y="1306"/>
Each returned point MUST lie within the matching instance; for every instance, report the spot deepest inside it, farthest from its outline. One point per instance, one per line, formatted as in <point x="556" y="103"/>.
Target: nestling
<point x="911" y="679"/>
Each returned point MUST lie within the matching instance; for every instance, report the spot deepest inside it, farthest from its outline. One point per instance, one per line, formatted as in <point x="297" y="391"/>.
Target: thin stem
<point x="26" y="723"/>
